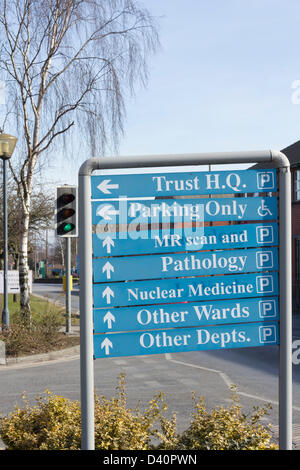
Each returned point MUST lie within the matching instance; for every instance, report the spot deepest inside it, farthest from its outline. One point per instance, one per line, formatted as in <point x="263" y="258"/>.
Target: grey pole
<point x="86" y="312"/>
<point x="5" y="311"/>
<point x="68" y="285"/>
<point x="7" y="146"/>
<point x="285" y="277"/>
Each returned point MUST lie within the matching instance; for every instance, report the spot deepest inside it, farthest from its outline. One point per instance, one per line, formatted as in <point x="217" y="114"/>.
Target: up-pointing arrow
<point x="108" y="243"/>
<point x="106" y="211"/>
<point x="108" y="268"/>
<point x="108" y="293"/>
<point x="109" y="318"/>
<point x="106" y="344"/>
<point x="105" y="187"/>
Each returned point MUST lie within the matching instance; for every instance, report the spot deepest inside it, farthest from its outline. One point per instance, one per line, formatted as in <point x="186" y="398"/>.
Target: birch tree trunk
<point x="24" y="268"/>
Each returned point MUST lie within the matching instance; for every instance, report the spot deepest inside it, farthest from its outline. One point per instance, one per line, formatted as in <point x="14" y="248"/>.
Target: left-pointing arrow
<point x="106" y="344"/>
<point x="108" y="269"/>
<point x="105" y="187"/>
<point x="106" y="212"/>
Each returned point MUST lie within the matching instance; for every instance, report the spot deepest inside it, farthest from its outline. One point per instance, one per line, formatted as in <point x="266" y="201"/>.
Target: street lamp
<point x="7" y="146"/>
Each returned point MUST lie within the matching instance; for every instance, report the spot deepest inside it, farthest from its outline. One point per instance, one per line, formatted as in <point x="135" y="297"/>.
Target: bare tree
<point x="68" y="64"/>
<point x="41" y="217"/>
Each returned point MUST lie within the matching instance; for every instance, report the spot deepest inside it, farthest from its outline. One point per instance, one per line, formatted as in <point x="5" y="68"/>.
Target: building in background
<point x="293" y="154"/>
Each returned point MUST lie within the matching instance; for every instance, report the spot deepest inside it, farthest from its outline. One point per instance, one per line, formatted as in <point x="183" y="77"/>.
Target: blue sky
<point x="222" y="80"/>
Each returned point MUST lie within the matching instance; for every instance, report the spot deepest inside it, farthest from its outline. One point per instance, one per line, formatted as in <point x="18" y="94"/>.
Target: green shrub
<point x="226" y="428"/>
<point x="118" y="427"/>
<point x="55" y="423"/>
<point x="53" y="419"/>
<point x="48" y="324"/>
<point x="39" y="335"/>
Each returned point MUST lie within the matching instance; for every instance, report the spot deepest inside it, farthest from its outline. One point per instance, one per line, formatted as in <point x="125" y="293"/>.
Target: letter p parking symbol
<point x="265" y="181"/>
<point x="267" y="308"/>
<point x="264" y="234"/>
<point x="268" y="334"/>
<point x="264" y="259"/>
<point x="264" y="284"/>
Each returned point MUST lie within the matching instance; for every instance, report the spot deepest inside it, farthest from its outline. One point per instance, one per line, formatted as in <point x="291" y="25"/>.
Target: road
<point x="56" y="293"/>
<point x="210" y="374"/>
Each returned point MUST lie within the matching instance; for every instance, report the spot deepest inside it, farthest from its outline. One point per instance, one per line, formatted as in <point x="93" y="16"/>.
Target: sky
<point x="222" y="81"/>
<point x="227" y="78"/>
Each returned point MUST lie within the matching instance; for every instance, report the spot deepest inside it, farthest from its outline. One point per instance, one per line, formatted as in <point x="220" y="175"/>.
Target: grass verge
<point x="45" y="332"/>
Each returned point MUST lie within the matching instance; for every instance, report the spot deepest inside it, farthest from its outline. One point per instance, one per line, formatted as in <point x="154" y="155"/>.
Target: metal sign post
<point x="252" y="283"/>
<point x="66" y="227"/>
<point x="68" y="286"/>
<point x="285" y="281"/>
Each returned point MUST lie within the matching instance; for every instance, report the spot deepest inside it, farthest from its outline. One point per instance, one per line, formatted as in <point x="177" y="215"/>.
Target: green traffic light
<point x="65" y="209"/>
<point x="68" y="227"/>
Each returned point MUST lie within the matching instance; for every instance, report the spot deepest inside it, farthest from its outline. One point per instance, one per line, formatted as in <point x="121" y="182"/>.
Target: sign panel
<point x="185" y="314"/>
<point x="128" y="268"/>
<point x="186" y="339"/>
<point x="13" y="281"/>
<point x="184" y="239"/>
<point x="183" y="183"/>
<point x="184" y="289"/>
<point x="239" y="209"/>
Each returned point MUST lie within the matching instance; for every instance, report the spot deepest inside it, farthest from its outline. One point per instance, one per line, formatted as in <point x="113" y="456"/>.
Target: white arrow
<point x="108" y="293"/>
<point x="109" y="318"/>
<point x="106" y="211"/>
<point x="106" y="343"/>
<point x="105" y="187"/>
<point x="108" y="268"/>
<point x="108" y="243"/>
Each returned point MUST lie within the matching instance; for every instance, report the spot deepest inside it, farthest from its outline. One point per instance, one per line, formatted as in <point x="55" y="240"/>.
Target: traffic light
<point x="66" y="211"/>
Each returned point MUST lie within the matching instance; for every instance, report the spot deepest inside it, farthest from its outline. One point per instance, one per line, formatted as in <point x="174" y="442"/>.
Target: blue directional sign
<point x="211" y="286"/>
<point x="185" y="314"/>
<point x="239" y="209"/>
<point x="185" y="289"/>
<point x="184" y="261"/>
<point x="184" y="239"/>
<point x="183" y="183"/>
<point x="185" y="264"/>
<point x="186" y="339"/>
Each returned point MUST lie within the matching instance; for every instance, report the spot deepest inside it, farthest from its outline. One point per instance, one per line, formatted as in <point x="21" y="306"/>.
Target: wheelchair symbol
<point x="263" y="210"/>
